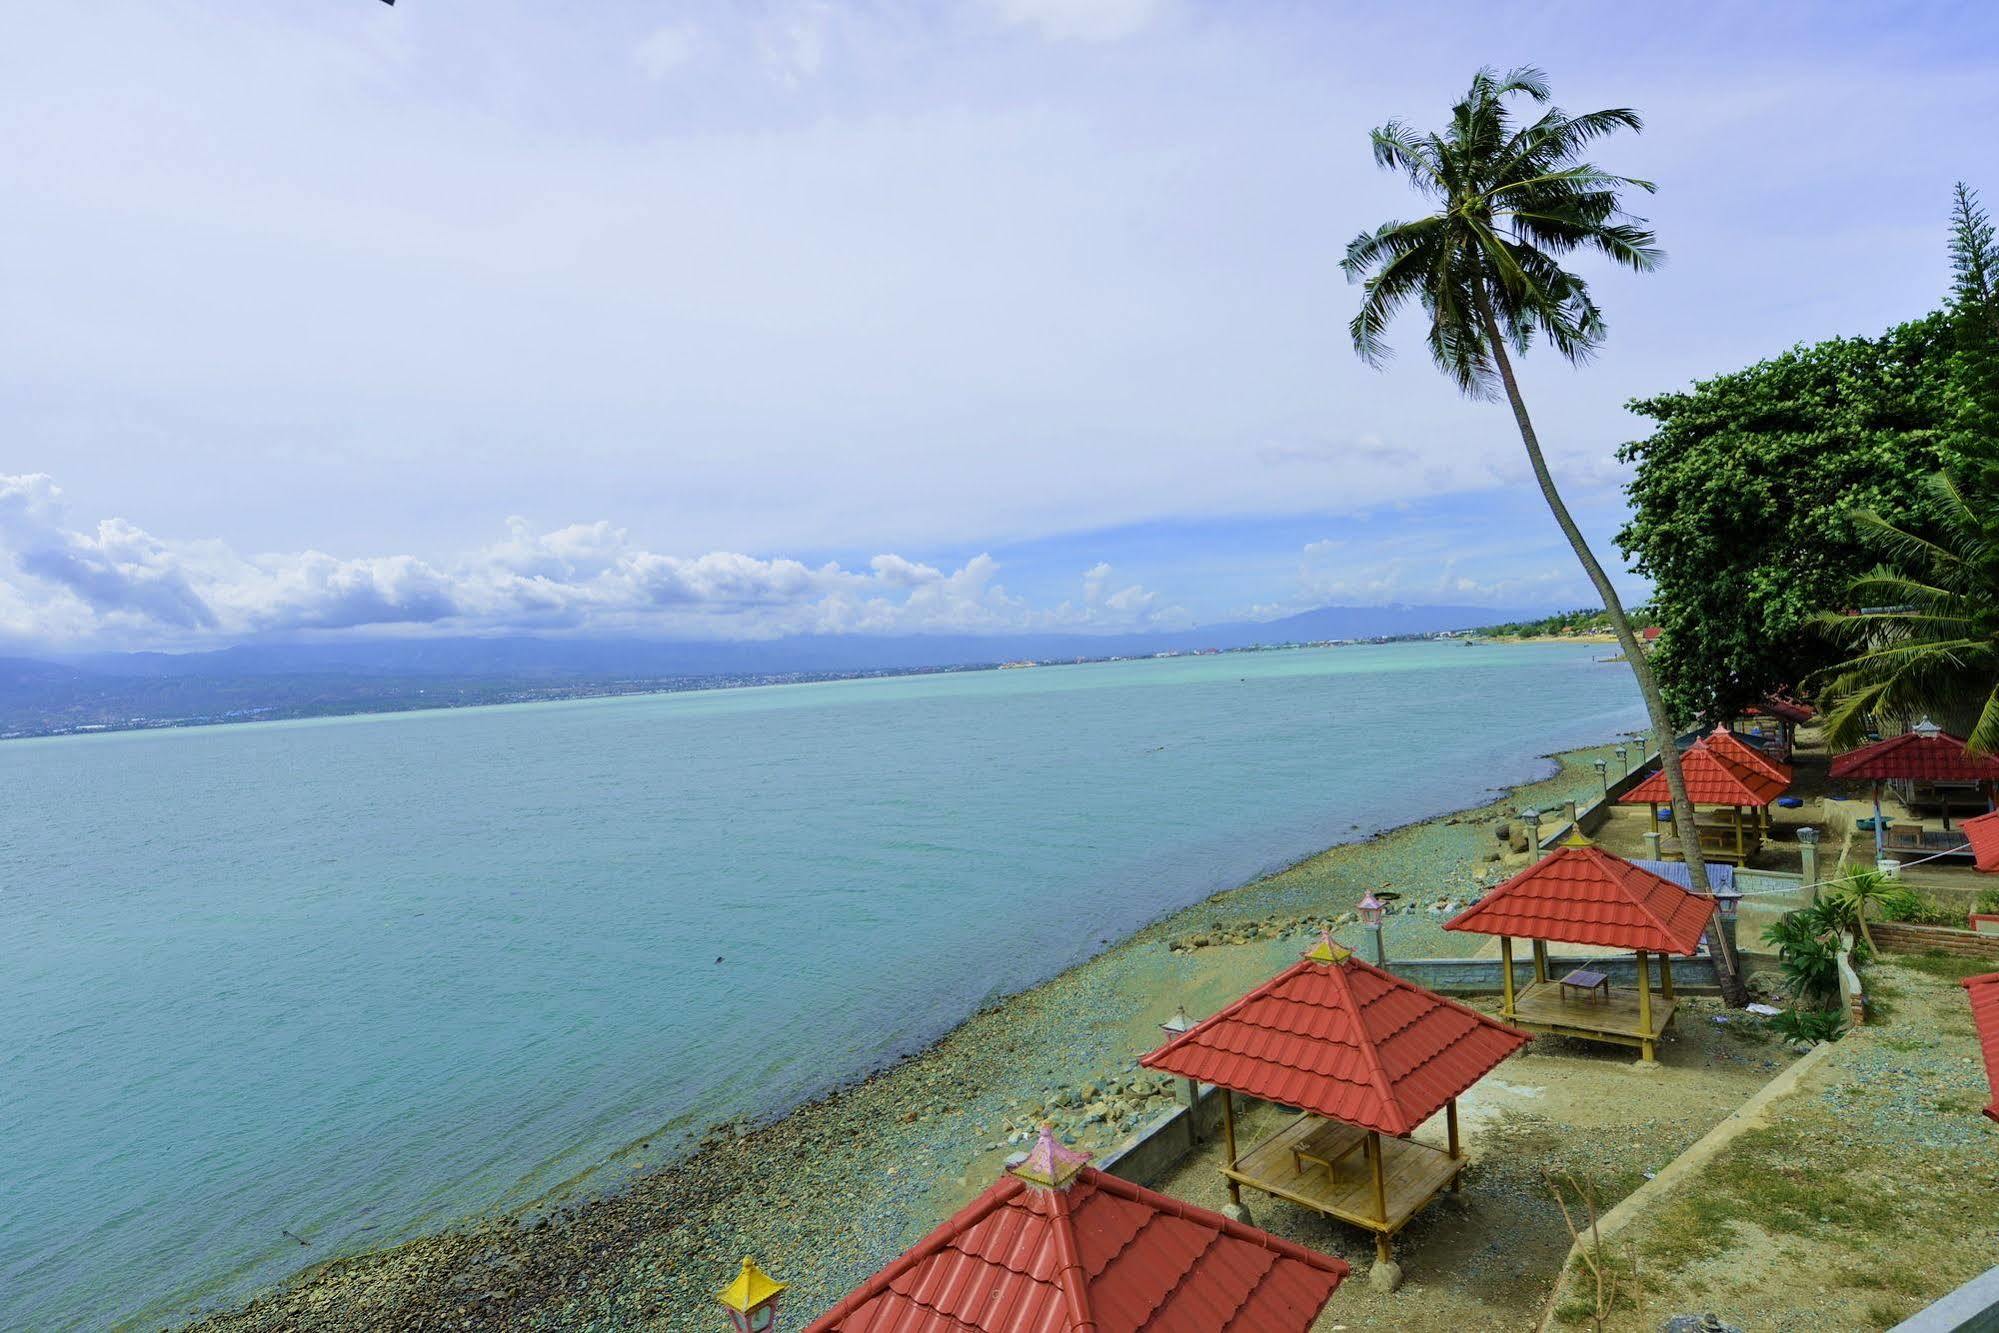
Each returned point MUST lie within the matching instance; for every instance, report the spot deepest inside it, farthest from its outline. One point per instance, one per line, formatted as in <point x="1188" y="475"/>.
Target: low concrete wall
<point x="1901" y="937"/>
<point x="1480" y="976"/>
<point x="1972" y="1308"/>
<point x="1158" y="1145"/>
<point x="1593" y="815"/>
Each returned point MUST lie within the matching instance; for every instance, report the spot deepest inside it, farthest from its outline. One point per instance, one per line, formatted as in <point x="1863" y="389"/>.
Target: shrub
<point x="1807" y="954"/>
<point x="1918" y="909"/>
<point x="1810" y="1024"/>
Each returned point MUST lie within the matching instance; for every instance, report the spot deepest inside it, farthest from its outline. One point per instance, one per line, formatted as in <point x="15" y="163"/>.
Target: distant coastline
<point x="84" y="705"/>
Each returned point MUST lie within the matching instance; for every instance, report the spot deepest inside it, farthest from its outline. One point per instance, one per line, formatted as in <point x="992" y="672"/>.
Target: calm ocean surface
<point x="362" y="977"/>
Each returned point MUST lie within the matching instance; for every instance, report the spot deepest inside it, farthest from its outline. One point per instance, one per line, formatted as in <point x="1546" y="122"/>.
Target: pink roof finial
<point x="1050" y="1163"/>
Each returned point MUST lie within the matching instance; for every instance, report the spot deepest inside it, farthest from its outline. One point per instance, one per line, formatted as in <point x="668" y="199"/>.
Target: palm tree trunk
<point x="1725" y="967"/>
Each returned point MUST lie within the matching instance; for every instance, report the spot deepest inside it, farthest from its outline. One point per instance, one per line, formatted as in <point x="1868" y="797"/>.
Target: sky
<point x="752" y="317"/>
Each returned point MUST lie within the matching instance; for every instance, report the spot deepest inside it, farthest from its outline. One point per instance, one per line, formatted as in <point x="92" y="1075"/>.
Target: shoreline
<point x="825" y="1193"/>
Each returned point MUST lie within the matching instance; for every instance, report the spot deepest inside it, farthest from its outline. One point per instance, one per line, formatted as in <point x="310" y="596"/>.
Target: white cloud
<point x="118" y="585"/>
<point x="1080" y="20"/>
<point x="665" y="50"/>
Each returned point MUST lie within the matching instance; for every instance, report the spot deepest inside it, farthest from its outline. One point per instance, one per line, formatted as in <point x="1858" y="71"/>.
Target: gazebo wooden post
<point x="1645" y="1007"/>
<point x="1666" y="975"/>
<point x="1451" y="1126"/>
<point x="1506" y="975"/>
<point x="1380" y="1180"/>
<point x="1740" y="852"/>
<point x="1228" y="1138"/>
<point x="1541" y="961"/>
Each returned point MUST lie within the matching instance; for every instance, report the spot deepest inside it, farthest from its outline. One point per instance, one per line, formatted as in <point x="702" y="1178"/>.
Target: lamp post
<point x="751" y="1300"/>
<point x="1371" y="912"/>
<point x="1603" y="773"/>
<point x="1189" y="1091"/>
<point x="1532" y="818"/>
<point x="1624" y="759"/>
<point x="1808" y="862"/>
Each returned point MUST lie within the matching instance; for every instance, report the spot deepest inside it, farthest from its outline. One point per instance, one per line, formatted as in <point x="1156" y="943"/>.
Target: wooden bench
<point x="1326" y="1146"/>
<point x="1585" y="980"/>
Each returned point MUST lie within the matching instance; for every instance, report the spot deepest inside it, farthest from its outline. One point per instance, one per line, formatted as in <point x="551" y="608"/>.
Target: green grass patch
<point x="1946" y="966"/>
<point x="1780" y="1178"/>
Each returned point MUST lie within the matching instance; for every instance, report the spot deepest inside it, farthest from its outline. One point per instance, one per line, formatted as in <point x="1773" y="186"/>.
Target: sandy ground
<point x="1487" y="1256"/>
<point x="830" y="1193"/>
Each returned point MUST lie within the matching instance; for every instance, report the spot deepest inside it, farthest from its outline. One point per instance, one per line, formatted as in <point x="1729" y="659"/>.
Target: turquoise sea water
<point x="359" y="978"/>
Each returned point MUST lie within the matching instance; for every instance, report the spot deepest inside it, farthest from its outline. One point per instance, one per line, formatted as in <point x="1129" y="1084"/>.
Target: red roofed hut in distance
<point x="1928" y="765"/>
<point x="1719" y="783"/>
<point x="1732" y="747"/>
<point x="1366" y="1057"/>
<point x="1581" y="894"/>
<point x="1774" y="723"/>
<point x="1056" y="1246"/>
<point x="1984" y="991"/>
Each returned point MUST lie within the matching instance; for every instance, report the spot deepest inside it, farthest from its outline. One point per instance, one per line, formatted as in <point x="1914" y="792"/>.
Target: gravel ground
<point x="1868" y="1194"/>
<point x="828" y="1194"/>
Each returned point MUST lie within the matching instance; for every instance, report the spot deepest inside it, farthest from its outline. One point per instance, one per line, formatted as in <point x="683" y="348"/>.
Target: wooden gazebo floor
<point x="1413" y="1173"/>
<point x="1545" y="1007"/>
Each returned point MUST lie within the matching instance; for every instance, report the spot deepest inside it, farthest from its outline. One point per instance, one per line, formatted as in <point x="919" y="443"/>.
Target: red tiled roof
<point x="1581" y="894"/>
<point x="1985" y="1017"/>
<point x="1649" y="633"/>
<point x="1934" y="758"/>
<point x="1740" y="752"/>
<point x="1099" y="1255"/>
<point x="1346" y="1041"/>
<point x="1983" y="835"/>
<point x="1712" y="779"/>
<point x="1790" y="710"/>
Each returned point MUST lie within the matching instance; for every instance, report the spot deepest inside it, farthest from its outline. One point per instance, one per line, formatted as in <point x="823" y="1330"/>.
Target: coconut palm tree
<point x="1513" y="198"/>
<point x="1933" y="648"/>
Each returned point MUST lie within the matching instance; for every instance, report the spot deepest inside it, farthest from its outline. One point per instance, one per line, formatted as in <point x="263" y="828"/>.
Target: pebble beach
<point x="825" y="1195"/>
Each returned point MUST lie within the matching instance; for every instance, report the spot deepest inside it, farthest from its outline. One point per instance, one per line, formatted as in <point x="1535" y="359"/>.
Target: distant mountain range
<point x="116" y="690"/>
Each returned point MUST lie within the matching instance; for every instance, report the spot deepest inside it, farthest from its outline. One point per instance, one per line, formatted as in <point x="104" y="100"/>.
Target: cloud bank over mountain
<point x="115" y="584"/>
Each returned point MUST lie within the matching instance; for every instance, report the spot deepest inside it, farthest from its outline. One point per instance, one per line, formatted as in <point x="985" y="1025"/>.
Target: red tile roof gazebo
<point x="1924" y="753"/>
<point x="1983" y="835"/>
<point x="1361" y="1053"/>
<point x="1984" y="994"/>
<point x="1056" y="1246"/>
<point x="1715" y="779"/>
<point x="1581" y="894"/>
<point x="1732" y="747"/>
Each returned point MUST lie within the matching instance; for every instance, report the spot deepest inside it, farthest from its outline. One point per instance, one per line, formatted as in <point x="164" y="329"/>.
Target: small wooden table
<point x="1326" y="1146"/>
<point x="1585" y="980"/>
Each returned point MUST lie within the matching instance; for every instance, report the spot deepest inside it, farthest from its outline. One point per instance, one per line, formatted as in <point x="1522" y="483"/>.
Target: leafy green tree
<point x="1513" y="199"/>
<point x="1746" y="497"/>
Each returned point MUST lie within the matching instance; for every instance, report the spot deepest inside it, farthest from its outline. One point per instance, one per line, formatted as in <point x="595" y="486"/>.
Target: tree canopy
<point x="1762" y="496"/>
<point x="1746" y="496"/>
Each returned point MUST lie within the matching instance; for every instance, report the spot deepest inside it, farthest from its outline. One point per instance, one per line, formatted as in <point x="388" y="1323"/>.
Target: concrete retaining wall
<point x="1901" y="937"/>
<point x="1158" y="1145"/>
<point x="1592" y="816"/>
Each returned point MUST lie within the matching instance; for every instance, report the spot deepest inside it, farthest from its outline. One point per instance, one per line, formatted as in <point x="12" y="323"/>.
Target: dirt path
<point x="1871" y="1189"/>
<point x="1487" y="1256"/>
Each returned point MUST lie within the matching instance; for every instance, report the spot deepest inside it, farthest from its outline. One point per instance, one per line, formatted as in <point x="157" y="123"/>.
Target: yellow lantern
<point x="751" y="1300"/>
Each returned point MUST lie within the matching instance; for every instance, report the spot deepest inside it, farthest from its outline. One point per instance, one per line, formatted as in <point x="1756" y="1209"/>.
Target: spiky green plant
<point x="1926" y="639"/>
